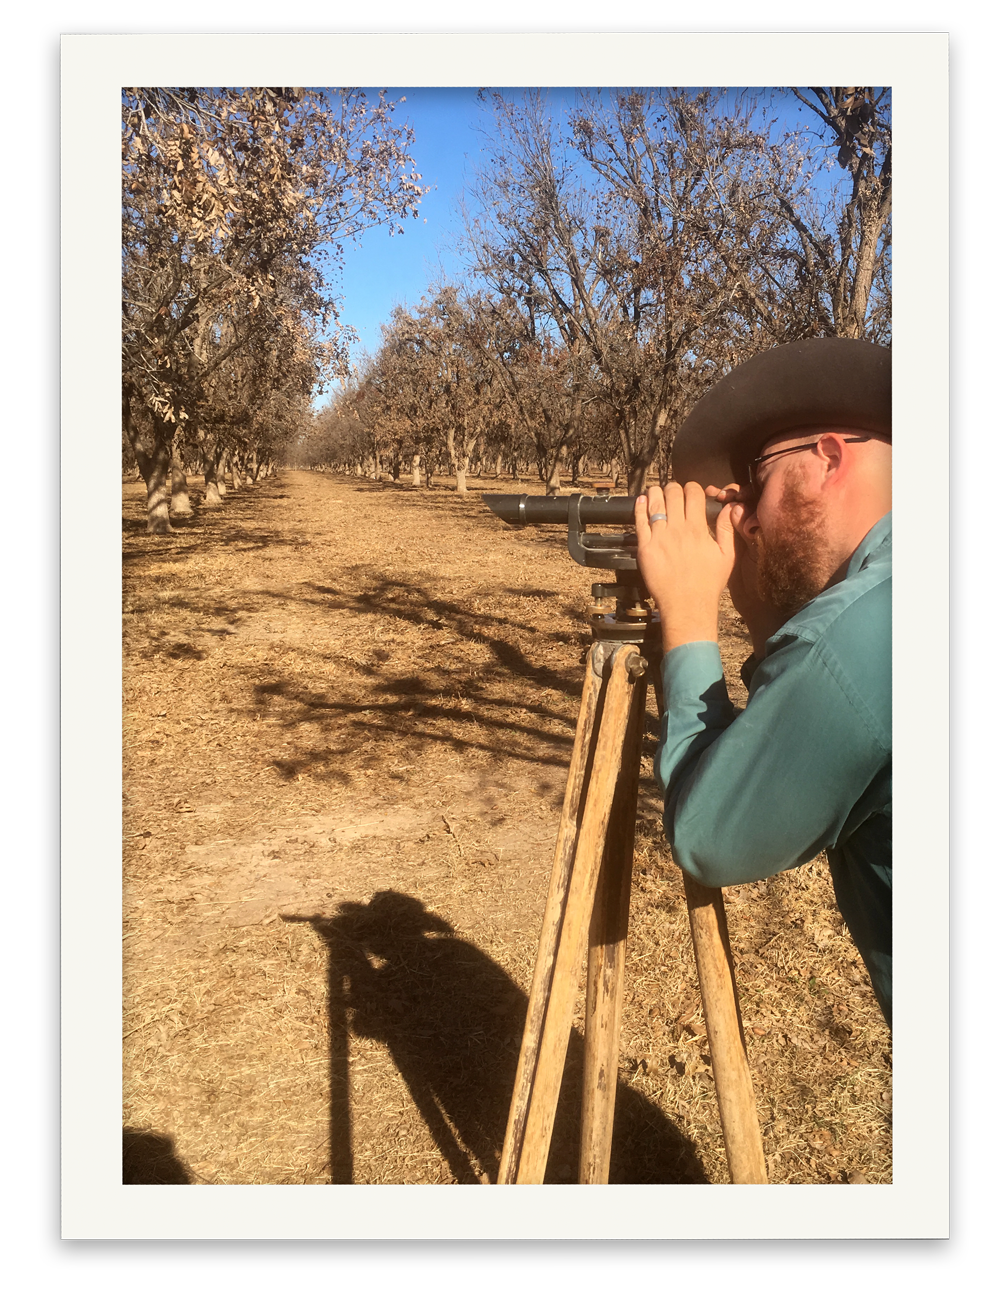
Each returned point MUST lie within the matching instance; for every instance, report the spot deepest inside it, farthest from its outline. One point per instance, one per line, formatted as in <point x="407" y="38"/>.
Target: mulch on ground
<point x="349" y="712"/>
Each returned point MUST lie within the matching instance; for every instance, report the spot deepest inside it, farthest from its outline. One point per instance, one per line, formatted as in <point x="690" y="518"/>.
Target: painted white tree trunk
<point x="213" y="497"/>
<point x="180" y="502"/>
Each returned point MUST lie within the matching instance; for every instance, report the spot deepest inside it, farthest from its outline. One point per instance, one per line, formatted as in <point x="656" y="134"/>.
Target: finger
<point x="642" y="530"/>
<point x="654" y="497"/>
<point x="731" y="492"/>
<point x="673" y="501"/>
<point x="694" y="502"/>
<point x="724" y="534"/>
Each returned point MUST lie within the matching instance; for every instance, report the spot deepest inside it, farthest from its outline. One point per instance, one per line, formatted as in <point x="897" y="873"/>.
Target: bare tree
<point x="607" y="237"/>
<point x="854" y="256"/>
<point x="671" y="234"/>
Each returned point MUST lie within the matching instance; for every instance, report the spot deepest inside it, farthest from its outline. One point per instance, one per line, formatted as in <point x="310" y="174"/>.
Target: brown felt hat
<point x="795" y="386"/>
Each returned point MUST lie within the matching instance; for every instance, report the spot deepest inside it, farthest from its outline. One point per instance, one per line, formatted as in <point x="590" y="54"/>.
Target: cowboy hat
<point x="834" y="382"/>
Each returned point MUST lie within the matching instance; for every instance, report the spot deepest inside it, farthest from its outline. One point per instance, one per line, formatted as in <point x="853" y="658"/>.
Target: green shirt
<point x="807" y="766"/>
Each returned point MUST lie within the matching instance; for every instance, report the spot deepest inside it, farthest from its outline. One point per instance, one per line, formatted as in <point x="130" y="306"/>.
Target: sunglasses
<point x="755" y="484"/>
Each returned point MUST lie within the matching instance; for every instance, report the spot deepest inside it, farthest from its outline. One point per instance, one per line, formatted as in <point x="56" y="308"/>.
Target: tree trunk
<point x="499" y="467"/>
<point x="151" y="449"/>
<point x="472" y="452"/>
<point x="636" y="479"/>
<point x="415" y="465"/>
<point x="460" y="464"/>
<point x="180" y="502"/>
<point x="212" y="495"/>
<point x="237" y="476"/>
<point x="552" y="482"/>
<point x="156" y="473"/>
<point x="659" y="440"/>
<point x="220" y="478"/>
<point x="864" y="275"/>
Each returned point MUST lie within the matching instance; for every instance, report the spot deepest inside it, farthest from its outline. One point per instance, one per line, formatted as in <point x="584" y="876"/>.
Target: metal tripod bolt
<point x="636" y="666"/>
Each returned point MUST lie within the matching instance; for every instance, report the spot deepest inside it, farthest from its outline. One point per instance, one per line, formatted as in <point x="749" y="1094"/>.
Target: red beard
<point x="794" y="560"/>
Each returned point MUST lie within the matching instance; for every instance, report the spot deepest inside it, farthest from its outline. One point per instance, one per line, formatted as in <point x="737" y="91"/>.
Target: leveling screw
<point x="636" y="666"/>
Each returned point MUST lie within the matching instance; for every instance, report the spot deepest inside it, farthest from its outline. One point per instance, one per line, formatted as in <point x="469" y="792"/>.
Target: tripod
<point x="587" y="910"/>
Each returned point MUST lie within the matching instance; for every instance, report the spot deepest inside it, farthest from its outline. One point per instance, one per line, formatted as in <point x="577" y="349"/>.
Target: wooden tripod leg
<point x="541" y="984"/>
<point x="733" y="1085"/>
<point x="576" y="920"/>
<point x="606" y="963"/>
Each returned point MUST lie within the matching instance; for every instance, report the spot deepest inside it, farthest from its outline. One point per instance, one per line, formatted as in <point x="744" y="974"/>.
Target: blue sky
<point x="381" y="271"/>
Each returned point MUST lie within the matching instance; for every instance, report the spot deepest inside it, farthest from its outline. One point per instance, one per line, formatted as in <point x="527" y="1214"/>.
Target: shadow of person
<point x="452" y="1020"/>
<point x="148" y="1158"/>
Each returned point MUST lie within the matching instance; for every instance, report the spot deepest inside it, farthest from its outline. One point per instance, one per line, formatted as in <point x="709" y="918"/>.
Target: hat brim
<point x="836" y="382"/>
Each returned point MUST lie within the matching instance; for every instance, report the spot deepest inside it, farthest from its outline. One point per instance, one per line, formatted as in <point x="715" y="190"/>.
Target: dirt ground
<point x="348" y="716"/>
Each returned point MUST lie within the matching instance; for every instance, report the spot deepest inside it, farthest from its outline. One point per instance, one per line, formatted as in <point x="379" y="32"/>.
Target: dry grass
<point x="348" y="718"/>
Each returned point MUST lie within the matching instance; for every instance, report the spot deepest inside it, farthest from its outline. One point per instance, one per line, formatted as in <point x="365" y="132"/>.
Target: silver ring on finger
<point x="659" y="515"/>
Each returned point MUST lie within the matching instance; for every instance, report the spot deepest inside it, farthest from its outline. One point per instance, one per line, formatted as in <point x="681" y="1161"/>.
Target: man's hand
<point x="761" y="618"/>
<point x="684" y="567"/>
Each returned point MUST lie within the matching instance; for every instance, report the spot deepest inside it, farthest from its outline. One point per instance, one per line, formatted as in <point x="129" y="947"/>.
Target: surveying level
<point x="588" y="901"/>
<point x="604" y="551"/>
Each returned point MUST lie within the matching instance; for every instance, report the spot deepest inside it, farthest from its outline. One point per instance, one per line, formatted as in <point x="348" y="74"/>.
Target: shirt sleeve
<point x="751" y="794"/>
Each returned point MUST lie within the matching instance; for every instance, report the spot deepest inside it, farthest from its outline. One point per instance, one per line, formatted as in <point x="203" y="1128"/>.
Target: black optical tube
<point x="534" y="508"/>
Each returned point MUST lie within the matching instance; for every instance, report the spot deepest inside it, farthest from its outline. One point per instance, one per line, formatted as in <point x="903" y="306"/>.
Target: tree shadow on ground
<point x="148" y="1158"/>
<point x="232" y="524"/>
<point x="386" y="595"/>
<point x="189" y="538"/>
<point x="520" y="701"/>
<point x="452" y="1020"/>
<point x="520" y="698"/>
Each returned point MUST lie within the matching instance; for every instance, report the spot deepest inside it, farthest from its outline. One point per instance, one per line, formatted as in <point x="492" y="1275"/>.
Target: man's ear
<point x="831" y="450"/>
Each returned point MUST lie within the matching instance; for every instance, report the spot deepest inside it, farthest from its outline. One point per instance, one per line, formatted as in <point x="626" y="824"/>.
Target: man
<point x="801" y="439"/>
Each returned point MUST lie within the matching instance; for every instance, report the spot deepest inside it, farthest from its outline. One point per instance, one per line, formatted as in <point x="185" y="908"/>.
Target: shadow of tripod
<point x="452" y="1018"/>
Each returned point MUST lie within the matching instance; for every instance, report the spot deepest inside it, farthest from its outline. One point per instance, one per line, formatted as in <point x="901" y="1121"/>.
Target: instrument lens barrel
<point x="531" y="508"/>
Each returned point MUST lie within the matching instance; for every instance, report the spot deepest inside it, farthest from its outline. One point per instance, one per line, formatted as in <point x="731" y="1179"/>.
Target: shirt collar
<point x="875" y="538"/>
